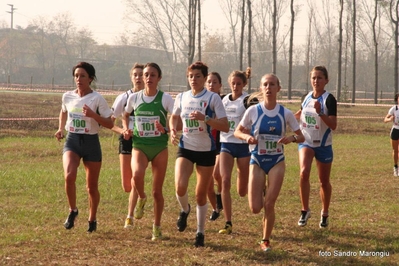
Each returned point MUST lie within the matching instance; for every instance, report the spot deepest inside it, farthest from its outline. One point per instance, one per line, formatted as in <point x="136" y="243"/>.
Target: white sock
<point x="201" y="218"/>
<point x="183" y="201"/>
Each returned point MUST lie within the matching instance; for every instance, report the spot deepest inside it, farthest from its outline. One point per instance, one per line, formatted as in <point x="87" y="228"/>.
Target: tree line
<point x="357" y="40"/>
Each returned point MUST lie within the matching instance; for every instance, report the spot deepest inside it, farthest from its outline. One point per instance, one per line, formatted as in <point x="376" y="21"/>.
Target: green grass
<point x="33" y="207"/>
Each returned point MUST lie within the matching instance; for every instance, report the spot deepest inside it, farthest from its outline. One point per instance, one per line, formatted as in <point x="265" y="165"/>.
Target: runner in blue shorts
<point x="234" y="149"/>
<point x="267" y="122"/>
<point x="318" y="118"/>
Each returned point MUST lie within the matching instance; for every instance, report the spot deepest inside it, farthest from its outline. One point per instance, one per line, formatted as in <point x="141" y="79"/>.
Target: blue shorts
<point x="266" y="162"/>
<point x="86" y="146"/>
<point x="322" y="154"/>
<point x="201" y="158"/>
<point x="125" y="146"/>
<point x="237" y="150"/>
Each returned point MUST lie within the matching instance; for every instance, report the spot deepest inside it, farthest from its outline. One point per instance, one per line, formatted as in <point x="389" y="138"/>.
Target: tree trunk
<point x="395" y="21"/>
<point x="291" y="51"/>
<point x="354" y="53"/>
<point x="341" y="2"/>
<point x="274" y="65"/>
<point x="375" y="53"/>
<point x="249" y="40"/>
<point x="242" y="35"/>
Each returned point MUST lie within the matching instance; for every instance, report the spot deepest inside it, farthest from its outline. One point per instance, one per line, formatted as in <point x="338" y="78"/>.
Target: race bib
<point x="267" y="144"/>
<point x="145" y="126"/>
<point x="311" y="123"/>
<point x="192" y="126"/>
<point x="78" y="123"/>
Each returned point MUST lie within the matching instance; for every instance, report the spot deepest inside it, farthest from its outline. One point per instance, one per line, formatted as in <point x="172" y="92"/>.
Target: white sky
<point x="103" y="17"/>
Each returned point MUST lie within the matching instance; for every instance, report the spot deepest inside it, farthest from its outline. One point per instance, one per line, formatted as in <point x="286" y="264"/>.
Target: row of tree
<point x="357" y="40"/>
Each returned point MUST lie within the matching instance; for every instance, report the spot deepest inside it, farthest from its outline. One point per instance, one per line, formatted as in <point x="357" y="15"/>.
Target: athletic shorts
<point x="125" y="146"/>
<point x="394" y="134"/>
<point x="322" y="154"/>
<point x="266" y="162"/>
<point x="237" y="150"/>
<point x="86" y="146"/>
<point x="201" y="158"/>
<point x="150" y="151"/>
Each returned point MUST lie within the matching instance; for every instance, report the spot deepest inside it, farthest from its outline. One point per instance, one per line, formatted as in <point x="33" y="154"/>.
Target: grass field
<point x="33" y="206"/>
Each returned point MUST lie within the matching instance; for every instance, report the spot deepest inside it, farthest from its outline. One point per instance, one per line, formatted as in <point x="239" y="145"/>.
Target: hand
<point x="59" y="135"/>
<point x="87" y="111"/>
<point x="317" y="107"/>
<point x="127" y="134"/>
<point x="196" y="115"/>
<point x="251" y="140"/>
<point x="174" y="138"/>
<point x="160" y="127"/>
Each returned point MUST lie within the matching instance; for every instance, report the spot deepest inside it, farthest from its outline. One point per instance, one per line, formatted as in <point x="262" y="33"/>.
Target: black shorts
<point x="394" y="134"/>
<point x="201" y="158"/>
<point x="125" y="146"/>
<point x="86" y="146"/>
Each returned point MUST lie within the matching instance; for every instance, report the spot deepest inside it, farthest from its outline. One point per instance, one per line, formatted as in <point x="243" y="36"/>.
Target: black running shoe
<point x="199" y="240"/>
<point x="219" y="203"/>
<point x="182" y="221"/>
<point x="92" y="226"/>
<point x="214" y="215"/>
<point x="70" y="221"/>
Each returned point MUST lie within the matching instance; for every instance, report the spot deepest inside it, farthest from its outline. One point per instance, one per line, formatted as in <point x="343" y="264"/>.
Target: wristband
<point x="166" y="130"/>
<point x="295" y="138"/>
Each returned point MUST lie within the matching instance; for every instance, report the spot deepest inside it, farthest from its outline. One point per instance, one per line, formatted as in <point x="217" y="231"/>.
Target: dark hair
<point x="199" y="65"/>
<point x="136" y="65"/>
<point x="322" y="69"/>
<point x="154" y="65"/>
<point x="396" y="98"/>
<point x="86" y="66"/>
<point x="244" y="76"/>
<point x="217" y="76"/>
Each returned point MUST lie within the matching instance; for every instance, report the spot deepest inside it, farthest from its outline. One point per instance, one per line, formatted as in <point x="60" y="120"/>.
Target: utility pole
<point x="12" y="14"/>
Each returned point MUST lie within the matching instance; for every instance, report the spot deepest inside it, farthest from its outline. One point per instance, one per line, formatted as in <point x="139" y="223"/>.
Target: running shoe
<point x="156" y="233"/>
<point x="199" y="240"/>
<point x="92" y="226"/>
<point x="395" y="171"/>
<point x="227" y="230"/>
<point x="323" y="221"/>
<point x="139" y="209"/>
<point x="305" y="215"/>
<point x="265" y="245"/>
<point x="128" y="222"/>
<point x="70" y="221"/>
<point x="219" y="203"/>
<point x="214" y="215"/>
<point x="182" y="221"/>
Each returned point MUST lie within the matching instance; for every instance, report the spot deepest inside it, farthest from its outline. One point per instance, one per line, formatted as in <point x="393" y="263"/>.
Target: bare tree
<point x="291" y="50"/>
<point x="394" y="14"/>
<point x="249" y="7"/>
<point x="241" y="55"/>
<point x="375" y="51"/>
<point x="341" y="10"/>
<point x="354" y="52"/>
<point x="274" y="34"/>
<point x="231" y="10"/>
<point x="192" y="8"/>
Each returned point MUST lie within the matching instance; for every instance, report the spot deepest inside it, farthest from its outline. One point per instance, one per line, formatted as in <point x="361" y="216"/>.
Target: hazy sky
<point x="103" y="17"/>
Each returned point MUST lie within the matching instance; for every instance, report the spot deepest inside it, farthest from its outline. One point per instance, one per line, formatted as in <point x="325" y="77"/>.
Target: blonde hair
<point x="259" y="95"/>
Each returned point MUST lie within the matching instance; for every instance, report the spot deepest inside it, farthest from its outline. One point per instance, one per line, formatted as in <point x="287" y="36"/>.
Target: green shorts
<point x="150" y="151"/>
